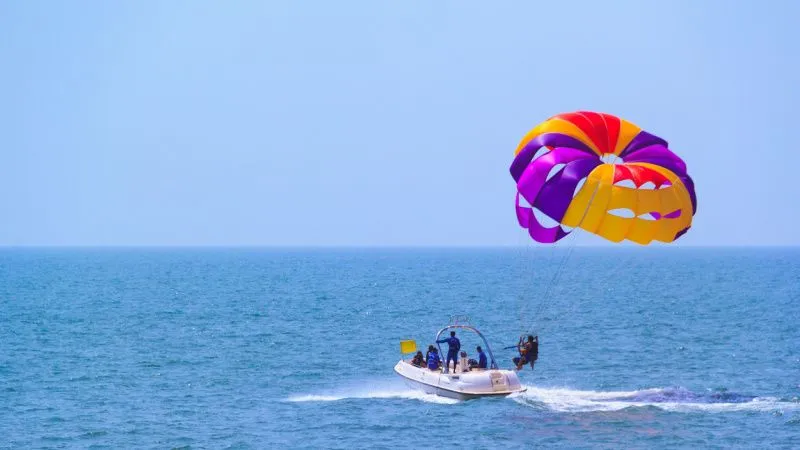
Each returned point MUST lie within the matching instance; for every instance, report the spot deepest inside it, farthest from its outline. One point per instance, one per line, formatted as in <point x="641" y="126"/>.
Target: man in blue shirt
<point x="481" y="358"/>
<point x="453" y="346"/>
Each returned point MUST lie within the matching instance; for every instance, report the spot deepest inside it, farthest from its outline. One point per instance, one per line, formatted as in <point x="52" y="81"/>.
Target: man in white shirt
<point x="463" y="363"/>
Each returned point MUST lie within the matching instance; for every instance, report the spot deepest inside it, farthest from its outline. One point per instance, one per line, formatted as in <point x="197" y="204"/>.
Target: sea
<point x="181" y="348"/>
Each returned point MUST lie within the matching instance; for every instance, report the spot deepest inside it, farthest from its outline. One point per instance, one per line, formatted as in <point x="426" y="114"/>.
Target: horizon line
<point x="380" y="246"/>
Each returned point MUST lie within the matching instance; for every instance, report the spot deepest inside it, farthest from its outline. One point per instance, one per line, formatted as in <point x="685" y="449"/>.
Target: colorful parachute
<point x="603" y="174"/>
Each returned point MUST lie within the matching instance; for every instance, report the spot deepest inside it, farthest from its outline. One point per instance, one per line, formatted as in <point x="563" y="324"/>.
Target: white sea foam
<point x="563" y="399"/>
<point x="408" y="394"/>
<point x="667" y="399"/>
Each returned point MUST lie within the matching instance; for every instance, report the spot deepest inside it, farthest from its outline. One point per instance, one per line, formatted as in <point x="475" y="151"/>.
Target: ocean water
<point x="641" y="347"/>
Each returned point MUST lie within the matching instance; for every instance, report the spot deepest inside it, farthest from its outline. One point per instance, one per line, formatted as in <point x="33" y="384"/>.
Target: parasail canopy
<point x="603" y="174"/>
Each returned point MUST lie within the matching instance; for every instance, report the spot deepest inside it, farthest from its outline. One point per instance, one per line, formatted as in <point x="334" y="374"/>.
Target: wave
<point x="674" y="399"/>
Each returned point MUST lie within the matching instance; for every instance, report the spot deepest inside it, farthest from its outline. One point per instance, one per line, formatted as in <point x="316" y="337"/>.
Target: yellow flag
<point x="408" y="346"/>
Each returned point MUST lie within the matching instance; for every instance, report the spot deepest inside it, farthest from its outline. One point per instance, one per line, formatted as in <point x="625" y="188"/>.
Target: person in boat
<point x="433" y="358"/>
<point x="419" y="360"/>
<point x="453" y="346"/>
<point x="463" y="363"/>
<point x="482" y="363"/>
<point x="528" y="352"/>
<point x="431" y="349"/>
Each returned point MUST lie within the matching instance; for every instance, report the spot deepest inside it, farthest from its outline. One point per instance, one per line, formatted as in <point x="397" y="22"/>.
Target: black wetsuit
<point x="533" y="353"/>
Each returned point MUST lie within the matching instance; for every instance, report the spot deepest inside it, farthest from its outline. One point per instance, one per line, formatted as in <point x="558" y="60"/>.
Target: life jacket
<point x="433" y="360"/>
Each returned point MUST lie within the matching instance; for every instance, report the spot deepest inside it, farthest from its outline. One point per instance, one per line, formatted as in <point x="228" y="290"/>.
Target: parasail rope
<point x="562" y="264"/>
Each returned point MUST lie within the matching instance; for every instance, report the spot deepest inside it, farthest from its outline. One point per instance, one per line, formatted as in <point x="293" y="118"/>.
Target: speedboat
<point x="474" y="383"/>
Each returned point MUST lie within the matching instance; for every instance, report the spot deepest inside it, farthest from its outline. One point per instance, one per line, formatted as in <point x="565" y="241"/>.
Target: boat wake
<point x="556" y="399"/>
<point x="674" y="399"/>
<point x="407" y="394"/>
<point x="374" y="391"/>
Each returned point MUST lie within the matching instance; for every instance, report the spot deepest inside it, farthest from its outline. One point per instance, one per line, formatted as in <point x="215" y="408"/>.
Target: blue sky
<point x="374" y="123"/>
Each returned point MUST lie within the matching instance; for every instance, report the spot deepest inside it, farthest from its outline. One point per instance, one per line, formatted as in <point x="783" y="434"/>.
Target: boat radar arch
<point x="492" y="364"/>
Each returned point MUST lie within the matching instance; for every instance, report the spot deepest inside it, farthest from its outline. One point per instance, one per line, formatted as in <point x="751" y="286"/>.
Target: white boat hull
<point x="462" y="386"/>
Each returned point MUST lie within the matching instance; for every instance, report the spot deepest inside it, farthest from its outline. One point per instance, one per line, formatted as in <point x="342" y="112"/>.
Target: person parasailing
<point x="601" y="174"/>
<point x="528" y="351"/>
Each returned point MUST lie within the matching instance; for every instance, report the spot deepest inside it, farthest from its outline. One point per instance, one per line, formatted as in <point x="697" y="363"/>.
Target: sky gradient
<point x="375" y="123"/>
